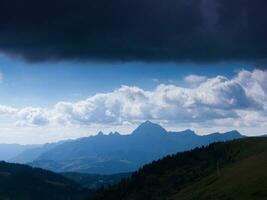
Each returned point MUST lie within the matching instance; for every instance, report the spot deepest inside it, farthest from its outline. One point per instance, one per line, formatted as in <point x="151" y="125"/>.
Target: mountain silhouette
<point x="115" y="153"/>
<point x="149" y="129"/>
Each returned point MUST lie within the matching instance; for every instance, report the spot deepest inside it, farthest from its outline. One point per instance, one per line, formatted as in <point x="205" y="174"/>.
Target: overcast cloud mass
<point x="129" y="30"/>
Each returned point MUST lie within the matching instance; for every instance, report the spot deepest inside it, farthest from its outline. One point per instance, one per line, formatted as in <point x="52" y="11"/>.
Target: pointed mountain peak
<point x="147" y="122"/>
<point x="114" y="133"/>
<point x="100" y="133"/>
<point x="149" y="128"/>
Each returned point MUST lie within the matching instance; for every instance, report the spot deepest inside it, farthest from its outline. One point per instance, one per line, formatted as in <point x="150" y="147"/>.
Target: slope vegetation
<point x="246" y="180"/>
<point x="95" y="181"/>
<point x="21" y="182"/>
<point x="223" y="171"/>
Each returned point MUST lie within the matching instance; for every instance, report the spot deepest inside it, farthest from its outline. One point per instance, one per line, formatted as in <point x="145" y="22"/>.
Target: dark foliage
<point x="96" y="181"/>
<point x="164" y="178"/>
<point x="21" y="182"/>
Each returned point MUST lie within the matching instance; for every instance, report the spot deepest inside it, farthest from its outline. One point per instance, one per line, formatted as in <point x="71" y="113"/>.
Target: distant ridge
<point x="8" y="151"/>
<point x="31" y="154"/>
<point x="115" y="153"/>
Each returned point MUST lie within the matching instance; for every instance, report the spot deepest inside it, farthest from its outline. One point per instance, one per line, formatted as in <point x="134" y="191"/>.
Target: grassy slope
<point x="192" y="175"/>
<point x="245" y="179"/>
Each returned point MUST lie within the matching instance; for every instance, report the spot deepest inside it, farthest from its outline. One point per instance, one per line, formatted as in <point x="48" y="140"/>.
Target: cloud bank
<point x="195" y="79"/>
<point x="240" y="102"/>
<point x="126" y="30"/>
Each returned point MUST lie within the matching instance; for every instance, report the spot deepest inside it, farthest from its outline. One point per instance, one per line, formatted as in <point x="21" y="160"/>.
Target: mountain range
<point x="116" y="153"/>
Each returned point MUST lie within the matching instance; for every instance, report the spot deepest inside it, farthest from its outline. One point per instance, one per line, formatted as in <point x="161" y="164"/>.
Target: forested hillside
<point x="21" y="182"/>
<point x="230" y="170"/>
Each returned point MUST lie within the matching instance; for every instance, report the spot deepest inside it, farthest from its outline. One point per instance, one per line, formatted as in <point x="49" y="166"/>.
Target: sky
<point x="69" y="68"/>
<point x="51" y="101"/>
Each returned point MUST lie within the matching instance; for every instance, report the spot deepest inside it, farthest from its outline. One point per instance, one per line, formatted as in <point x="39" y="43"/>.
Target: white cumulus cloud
<point x="194" y="79"/>
<point x="7" y="110"/>
<point x="33" y="116"/>
<point x="240" y="101"/>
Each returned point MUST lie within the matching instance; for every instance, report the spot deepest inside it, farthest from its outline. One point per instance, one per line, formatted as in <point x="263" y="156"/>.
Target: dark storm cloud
<point x="124" y="30"/>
